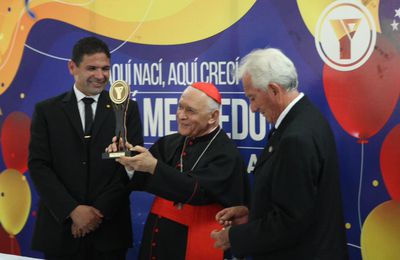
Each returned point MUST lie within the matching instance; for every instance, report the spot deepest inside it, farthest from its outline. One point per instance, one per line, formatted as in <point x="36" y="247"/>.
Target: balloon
<point x="380" y="235"/>
<point x="362" y="100"/>
<point x="15" y="201"/>
<point x="8" y="243"/>
<point x="15" y="140"/>
<point x="389" y="159"/>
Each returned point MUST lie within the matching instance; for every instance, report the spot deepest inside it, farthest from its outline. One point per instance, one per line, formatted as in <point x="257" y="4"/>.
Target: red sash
<point x="200" y="221"/>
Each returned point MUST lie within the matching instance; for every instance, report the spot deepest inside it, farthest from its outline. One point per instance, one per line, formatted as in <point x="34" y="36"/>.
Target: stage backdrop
<point x="346" y="53"/>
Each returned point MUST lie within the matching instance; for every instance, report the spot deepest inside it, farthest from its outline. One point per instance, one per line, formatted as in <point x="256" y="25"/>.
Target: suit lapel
<point x="273" y="143"/>
<point x="269" y="149"/>
<point x="70" y="108"/>
<point x="103" y="110"/>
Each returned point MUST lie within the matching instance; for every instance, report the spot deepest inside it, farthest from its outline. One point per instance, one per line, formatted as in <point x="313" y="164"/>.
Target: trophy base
<point x="115" y="155"/>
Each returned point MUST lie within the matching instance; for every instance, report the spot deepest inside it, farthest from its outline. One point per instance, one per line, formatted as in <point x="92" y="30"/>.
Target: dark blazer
<point x="296" y="209"/>
<point x="67" y="171"/>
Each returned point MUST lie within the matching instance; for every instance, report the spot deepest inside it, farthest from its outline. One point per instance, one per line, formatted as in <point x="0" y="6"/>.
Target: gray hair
<point x="212" y="105"/>
<point x="267" y="66"/>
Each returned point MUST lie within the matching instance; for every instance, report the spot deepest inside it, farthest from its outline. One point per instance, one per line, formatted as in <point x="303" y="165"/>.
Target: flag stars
<point x="397" y="11"/>
<point x="395" y="25"/>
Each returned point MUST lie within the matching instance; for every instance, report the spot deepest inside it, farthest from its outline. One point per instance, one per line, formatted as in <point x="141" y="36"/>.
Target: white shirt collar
<point x="287" y="109"/>
<point x="79" y="95"/>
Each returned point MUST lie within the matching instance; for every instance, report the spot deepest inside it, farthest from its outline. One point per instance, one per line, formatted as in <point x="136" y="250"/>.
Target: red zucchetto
<point x="209" y="89"/>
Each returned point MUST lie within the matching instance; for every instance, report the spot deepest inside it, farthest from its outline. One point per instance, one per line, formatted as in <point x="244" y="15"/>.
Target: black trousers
<point x="88" y="252"/>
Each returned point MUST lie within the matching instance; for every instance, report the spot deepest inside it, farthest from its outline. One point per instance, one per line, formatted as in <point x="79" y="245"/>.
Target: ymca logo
<point x="345" y="35"/>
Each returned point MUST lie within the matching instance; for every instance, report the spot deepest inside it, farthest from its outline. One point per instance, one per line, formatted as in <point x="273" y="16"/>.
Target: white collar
<point x="287" y="109"/>
<point x="79" y="95"/>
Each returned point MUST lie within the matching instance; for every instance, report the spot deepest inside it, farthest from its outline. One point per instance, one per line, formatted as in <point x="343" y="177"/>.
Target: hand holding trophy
<point x="119" y="93"/>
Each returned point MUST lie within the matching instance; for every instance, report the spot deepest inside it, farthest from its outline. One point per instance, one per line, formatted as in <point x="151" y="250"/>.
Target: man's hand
<point x="84" y="220"/>
<point x="221" y="238"/>
<point x="76" y="232"/>
<point x="233" y="216"/>
<point x="143" y="161"/>
<point x="116" y="147"/>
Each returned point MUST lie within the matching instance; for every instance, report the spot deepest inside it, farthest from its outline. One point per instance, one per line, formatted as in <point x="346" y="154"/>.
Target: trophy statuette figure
<point x="119" y="93"/>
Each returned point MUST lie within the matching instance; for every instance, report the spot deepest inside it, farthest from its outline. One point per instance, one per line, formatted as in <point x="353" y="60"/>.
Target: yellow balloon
<point x="380" y="235"/>
<point x="311" y="10"/>
<point x="15" y="201"/>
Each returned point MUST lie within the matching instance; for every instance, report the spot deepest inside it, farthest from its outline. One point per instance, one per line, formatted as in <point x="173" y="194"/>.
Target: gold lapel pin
<point x="108" y="106"/>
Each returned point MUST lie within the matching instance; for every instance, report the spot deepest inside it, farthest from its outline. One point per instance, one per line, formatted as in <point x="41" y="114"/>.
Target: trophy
<point x="119" y="92"/>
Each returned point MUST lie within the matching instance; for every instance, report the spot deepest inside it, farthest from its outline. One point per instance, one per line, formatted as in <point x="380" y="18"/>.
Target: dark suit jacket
<point x="296" y="209"/>
<point x="67" y="172"/>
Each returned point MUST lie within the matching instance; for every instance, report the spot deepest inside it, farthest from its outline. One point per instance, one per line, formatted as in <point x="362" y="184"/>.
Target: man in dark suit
<point x="84" y="209"/>
<point x="296" y="208"/>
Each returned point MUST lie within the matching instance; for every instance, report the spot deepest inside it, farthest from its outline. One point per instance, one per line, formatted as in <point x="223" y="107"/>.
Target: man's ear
<point x="214" y="117"/>
<point x="71" y="67"/>
<point x="275" y="88"/>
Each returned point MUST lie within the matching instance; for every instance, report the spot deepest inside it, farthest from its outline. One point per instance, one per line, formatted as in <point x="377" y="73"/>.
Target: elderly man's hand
<point x="144" y="161"/>
<point x="116" y="147"/>
<point x="221" y="238"/>
<point x="233" y="216"/>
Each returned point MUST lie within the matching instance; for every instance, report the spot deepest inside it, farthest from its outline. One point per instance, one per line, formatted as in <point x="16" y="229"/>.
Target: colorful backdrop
<point x="346" y="52"/>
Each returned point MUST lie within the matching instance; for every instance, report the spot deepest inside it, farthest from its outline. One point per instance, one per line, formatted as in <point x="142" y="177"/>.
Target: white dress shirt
<point x="81" y="106"/>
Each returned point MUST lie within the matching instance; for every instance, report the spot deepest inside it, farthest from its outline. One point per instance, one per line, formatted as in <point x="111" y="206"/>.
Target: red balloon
<point x="362" y="100"/>
<point x="15" y="141"/>
<point x="8" y="244"/>
<point x="390" y="166"/>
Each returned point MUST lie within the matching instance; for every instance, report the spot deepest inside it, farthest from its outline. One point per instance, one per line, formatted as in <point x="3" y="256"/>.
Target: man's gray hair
<point x="267" y="66"/>
<point x="212" y="105"/>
